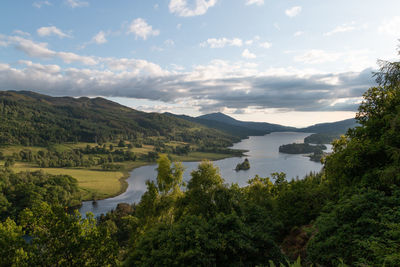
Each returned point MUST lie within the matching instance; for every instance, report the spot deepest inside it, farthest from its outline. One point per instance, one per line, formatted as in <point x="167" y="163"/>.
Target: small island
<point x="315" y="151"/>
<point x="245" y="165"/>
<point x="302" y="148"/>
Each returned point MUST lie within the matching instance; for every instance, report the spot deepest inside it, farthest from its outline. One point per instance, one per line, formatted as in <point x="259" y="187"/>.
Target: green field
<point x="101" y="184"/>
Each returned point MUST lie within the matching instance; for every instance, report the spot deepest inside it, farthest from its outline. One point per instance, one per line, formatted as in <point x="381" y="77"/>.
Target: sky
<point x="292" y="62"/>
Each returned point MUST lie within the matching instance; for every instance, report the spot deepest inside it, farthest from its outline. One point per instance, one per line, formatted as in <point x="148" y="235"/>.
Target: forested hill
<point x="243" y="129"/>
<point x="339" y="127"/>
<point x="29" y="118"/>
<point x="235" y="127"/>
<point x="258" y="126"/>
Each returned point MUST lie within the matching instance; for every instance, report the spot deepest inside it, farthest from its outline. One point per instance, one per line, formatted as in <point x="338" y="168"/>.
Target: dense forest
<point x="348" y="214"/>
<point x="33" y="119"/>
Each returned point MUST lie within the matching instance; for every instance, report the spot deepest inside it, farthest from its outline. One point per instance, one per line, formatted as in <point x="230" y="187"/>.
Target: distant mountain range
<point x="243" y="129"/>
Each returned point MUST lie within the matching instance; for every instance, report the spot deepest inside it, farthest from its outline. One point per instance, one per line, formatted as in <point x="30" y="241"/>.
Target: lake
<point x="264" y="159"/>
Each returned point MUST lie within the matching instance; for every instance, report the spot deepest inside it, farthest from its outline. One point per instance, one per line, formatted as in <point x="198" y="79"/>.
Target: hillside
<point x="258" y="126"/>
<point x="339" y="127"/>
<point x="34" y="119"/>
<point x="235" y="127"/>
<point x="235" y="130"/>
<point x="244" y="129"/>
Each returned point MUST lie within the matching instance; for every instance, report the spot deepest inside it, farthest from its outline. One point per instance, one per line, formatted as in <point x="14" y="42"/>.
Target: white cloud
<point x="391" y="26"/>
<point x="221" y="42"/>
<point x="99" y="38"/>
<point x="266" y="45"/>
<point x="76" y="3"/>
<point x="316" y="56"/>
<point x="248" y="55"/>
<point x="69" y="57"/>
<point x="31" y="48"/>
<point x="298" y="33"/>
<point x="179" y="26"/>
<point x="276" y="26"/>
<point x="341" y="29"/>
<point x="22" y="33"/>
<point x="140" y="28"/>
<point x="293" y="12"/>
<point x="255" y="2"/>
<point x="39" y="4"/>
<point x="180" y="7"/>
<point x="40" y="50"/>
<point x="52" y="30"/>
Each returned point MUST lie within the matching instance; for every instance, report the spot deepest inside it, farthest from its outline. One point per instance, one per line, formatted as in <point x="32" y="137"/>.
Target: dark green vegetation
<point x="322" y="138"/>
<point x="33" y="119"/>
<point x="235" y="127"/>
<point x="303" y="148"/>
<point x="339" y="127"/>
<point x="347" y="214"/>
<point x="245" y="165"/>
<point x="315" y="151"/>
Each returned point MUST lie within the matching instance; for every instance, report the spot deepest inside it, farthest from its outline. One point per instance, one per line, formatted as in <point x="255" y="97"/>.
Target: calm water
<point x="264" y="159"/>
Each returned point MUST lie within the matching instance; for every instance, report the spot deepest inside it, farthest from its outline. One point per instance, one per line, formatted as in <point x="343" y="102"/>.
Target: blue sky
<point x="290" y="62"/>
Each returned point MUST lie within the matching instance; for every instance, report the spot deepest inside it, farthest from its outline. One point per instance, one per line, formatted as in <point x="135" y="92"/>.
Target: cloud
<point x="218" y="85"/>
<point x="255" y="2"/>
<point x="140" y="28"/>
<point x="180" y="7"/>
<point x="22" y="33"/>
<point x="298" y="33"/>
<point x="316" y="56"/>
<point x="391" y="26"/>
<point x="221" y="42"/>
<point x="39" y="4"/>
<point x="341" y="29"/>
<point x="76" y="3"/>
<point x="99" y="38"/>
<point x="52" y="30"/>
<point x="265" y="45"/>
<point x="293" y="12"/>
<point x="248" y="55"/>
<point x="40" y="50"/>
<point x="31" y="48"/>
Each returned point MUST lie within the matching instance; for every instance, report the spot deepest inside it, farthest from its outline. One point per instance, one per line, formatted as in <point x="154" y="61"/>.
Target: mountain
<point x="235" y="130"/>
<point x="30" y="118"/>
<point x="259" y="128"/>
<point x="244" y="129"/>
<point x="339" y="127"/>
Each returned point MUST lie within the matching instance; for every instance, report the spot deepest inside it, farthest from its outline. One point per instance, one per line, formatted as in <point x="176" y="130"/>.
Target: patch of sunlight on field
<point x="101" y="183"/>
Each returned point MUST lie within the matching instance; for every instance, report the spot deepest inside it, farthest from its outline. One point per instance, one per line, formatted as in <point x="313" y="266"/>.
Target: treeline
<point x="302" y="148"/>
<point x="321" y="138"/>
<point x="82" y="157"/>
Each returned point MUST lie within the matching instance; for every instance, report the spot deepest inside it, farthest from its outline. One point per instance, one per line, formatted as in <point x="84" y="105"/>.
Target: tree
<point x="62" y="239"/>
<point x="168" y="178"/>
<point x="121" y="143"/>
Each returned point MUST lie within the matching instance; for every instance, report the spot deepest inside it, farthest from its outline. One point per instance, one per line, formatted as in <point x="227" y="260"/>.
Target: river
<point x="264" y="159"/>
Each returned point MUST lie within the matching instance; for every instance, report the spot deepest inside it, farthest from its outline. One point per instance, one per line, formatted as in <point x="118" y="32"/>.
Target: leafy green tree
<point x="13" y="247"/>
<point x="362" y="229"/>
<point x="168" y="178"/>
<point x="61" y="239"/>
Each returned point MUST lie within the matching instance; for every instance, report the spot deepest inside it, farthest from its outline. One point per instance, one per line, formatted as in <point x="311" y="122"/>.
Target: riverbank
<point x="263" y="155"/>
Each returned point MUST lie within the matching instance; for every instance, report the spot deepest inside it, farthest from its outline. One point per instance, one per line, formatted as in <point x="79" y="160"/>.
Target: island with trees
<point x="244" y="166"/>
